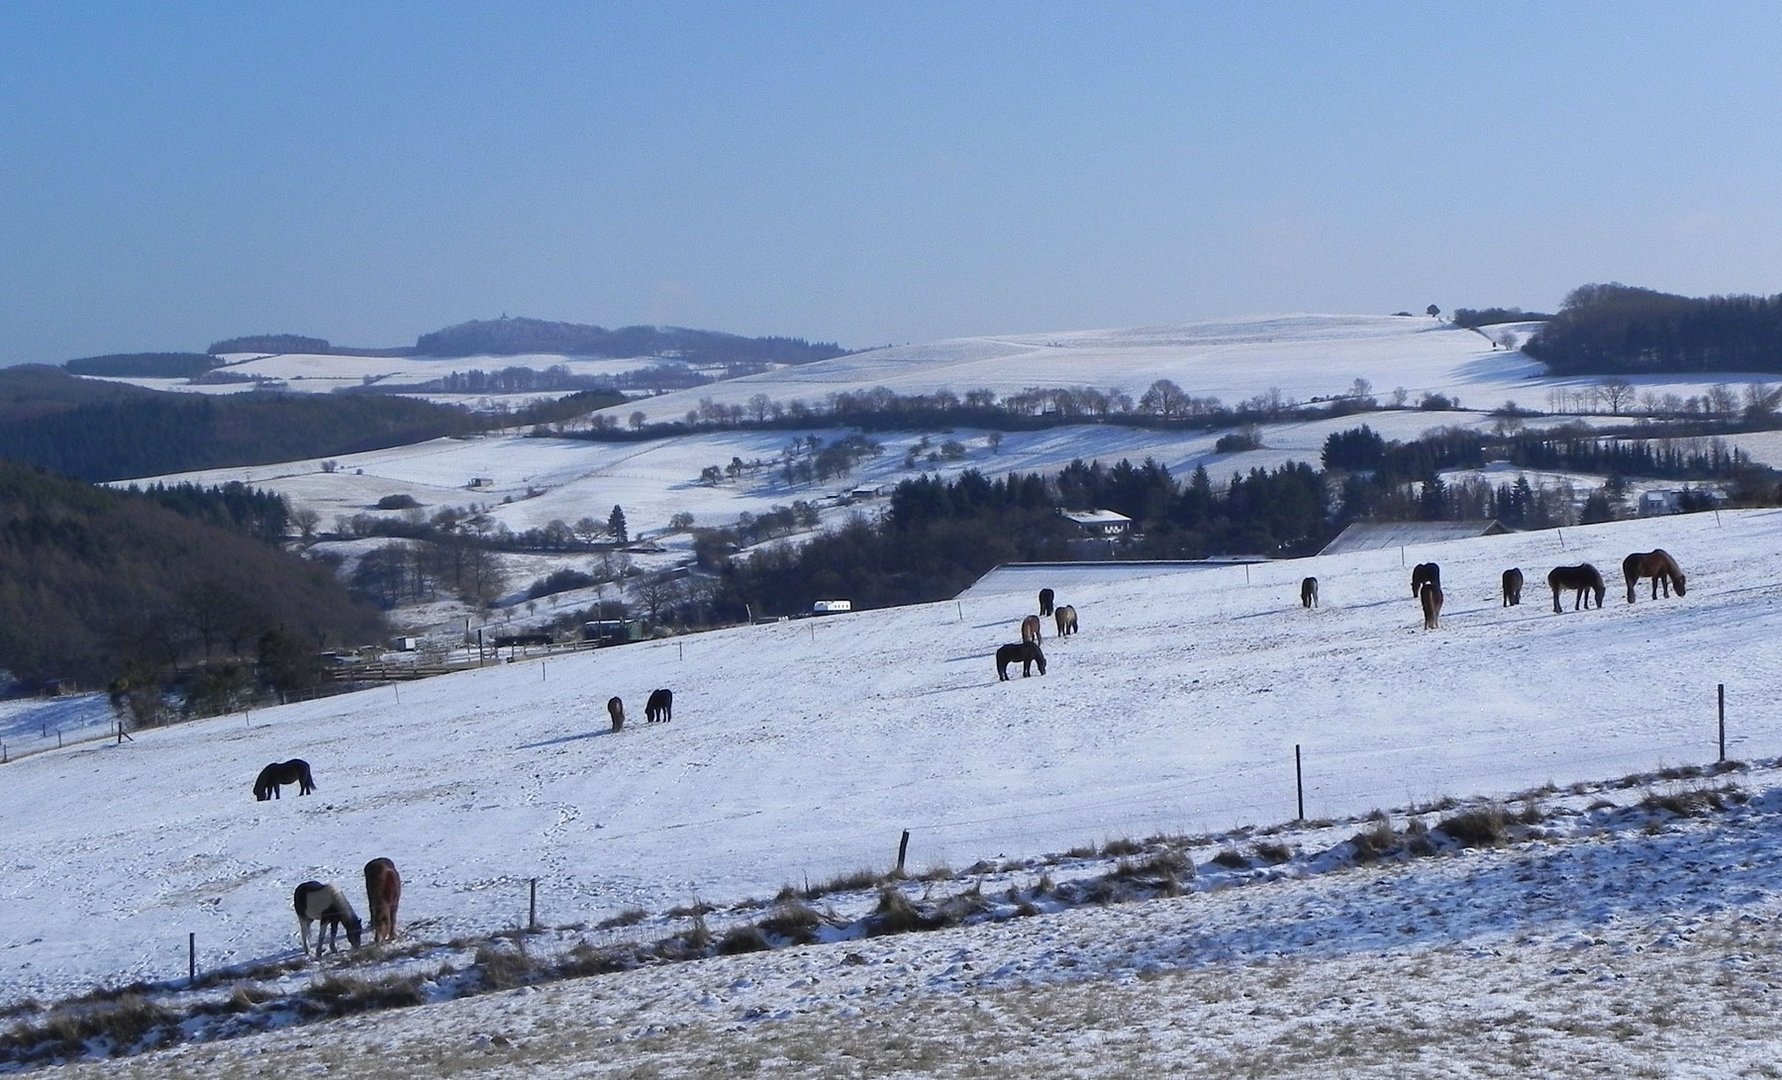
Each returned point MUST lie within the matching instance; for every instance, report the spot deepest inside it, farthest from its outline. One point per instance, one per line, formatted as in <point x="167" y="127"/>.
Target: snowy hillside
<point x="802" y="750"/>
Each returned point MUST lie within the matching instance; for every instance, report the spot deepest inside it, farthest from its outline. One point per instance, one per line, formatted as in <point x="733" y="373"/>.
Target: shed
<point x="1099" y="522"/>
<point x="1384" y="535"/>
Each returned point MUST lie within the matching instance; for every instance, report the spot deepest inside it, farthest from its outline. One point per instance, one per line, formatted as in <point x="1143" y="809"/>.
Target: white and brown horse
<point x="316" y="902"/>
<point x="1656" y="564"/>
<point x="383" y="891"/>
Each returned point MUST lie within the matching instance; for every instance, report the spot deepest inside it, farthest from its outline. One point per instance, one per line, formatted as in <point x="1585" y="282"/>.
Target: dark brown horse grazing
<point x="294" y="771"/>
<point x="1431" y="598"/>
<point x="316" y="901"/>
<point x="1308" y="592"/>
<point x="1512" y="587"/>
<point x="616" y="709"/>
<point x="1030" y="628"/>
<point x="660" y="707"/>
<point x="383" y="891"/>
<point x="1581" y="579"/>
<point x="1027" y="653"/>
<point x="1066" y="617"/>
<point x="1425" y="572"/>
<point x="1656" y="564"/>
<point x="1045" y="601"/>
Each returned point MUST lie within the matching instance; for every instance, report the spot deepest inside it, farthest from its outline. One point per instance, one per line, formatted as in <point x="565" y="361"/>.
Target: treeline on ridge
<point x="1620" y="329"/>
<point x="511" y="337"/>
<point x="100" y="431"/>
<point x="96" y="581"/>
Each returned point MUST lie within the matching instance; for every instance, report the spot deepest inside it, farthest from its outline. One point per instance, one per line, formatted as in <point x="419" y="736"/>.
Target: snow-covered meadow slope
<point x="802" y="750"/>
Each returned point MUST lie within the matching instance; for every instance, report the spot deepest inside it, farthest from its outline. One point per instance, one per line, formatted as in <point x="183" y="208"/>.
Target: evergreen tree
<point x="615" y="524"/>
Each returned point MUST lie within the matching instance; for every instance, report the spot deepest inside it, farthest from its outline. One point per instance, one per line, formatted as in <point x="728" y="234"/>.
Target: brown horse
<point x="1431" y="598"/>
<point x="616" y="709"/>
<point x="660" y="707"/>
<point x="1067" y="620"/>
<point x="1045" y="599"/>
<point x="1512" y="587"/>
<point x="1582" y="580"/>
<point x="1308" y="593"/>
<point x="1027" y="653"/>
<point x="1656" y="564"/>
<point x="1425" y="573"/>
<point x="383" y="891"/>
<point x="1030" y="628"/>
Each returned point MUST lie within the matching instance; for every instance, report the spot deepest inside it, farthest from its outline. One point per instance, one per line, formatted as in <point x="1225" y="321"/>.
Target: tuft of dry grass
<point x="794" y="921"/>
<point x="629" y="917"/>
<point x="1486" y="826"/>
<point x="504" y="969"/>
<point x="1231" y="859"/>
<point x="344" y="995"/>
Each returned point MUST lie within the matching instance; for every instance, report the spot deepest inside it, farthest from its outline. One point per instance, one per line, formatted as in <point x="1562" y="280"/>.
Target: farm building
<point x="1381" y="535"/>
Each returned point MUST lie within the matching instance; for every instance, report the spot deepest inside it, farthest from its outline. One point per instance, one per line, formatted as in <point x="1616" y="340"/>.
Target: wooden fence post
<point x="1722" y="692"/>
<point x="903" y="847"/>
<point x="532" y="908"/>
<point x="1299" y="782"/>
<point x="192" y="956"/>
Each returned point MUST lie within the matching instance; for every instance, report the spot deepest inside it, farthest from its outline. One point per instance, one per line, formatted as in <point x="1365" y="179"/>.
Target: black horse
<point x="1027" y="652"/>
<point x="1581" y="579"/>
<point x="1045" y="601"/>
<point x="659" y="707"/>
<point x="1512" y="587"/>
<point x="1425" y="573"/>
<point x="294" y="771"/>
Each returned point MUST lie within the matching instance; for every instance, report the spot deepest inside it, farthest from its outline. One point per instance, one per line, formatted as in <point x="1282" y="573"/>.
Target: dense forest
<point x="512" y="337"/>
<point x="96" y="582"/>
<point x="1619" y="329"/>
<point x="144" y="365"/>
<point x="105" y="431"/>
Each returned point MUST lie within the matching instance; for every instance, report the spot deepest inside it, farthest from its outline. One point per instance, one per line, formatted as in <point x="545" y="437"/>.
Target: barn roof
<point x="1029" y="578"/>
<point x="1381" y="535"/>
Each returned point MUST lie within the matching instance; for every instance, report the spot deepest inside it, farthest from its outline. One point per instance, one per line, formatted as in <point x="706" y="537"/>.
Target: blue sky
<point x="172" y="173"/>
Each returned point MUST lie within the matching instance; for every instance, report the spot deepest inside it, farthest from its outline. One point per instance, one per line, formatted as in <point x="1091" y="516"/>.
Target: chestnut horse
<point x="1308" y="592"/>
<point x="1581" y="579"/>
<point x="616" y="709"/>
<point x="1512" y="587"/>
<point x="383" y="891"/>
<point x="1425" y="572"/>
<point x="1430" y="596"/>
<point x="1045" y="599"/>
<point x="1656" y="564"/>
<point x="1027" y="653"/>
<point x="1067" y="620"/>
<point x="1030" y="629"/>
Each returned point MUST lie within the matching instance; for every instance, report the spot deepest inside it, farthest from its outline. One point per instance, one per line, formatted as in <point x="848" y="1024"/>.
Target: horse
<point x="1027" y="652"/>
<point x="1581" y="579"/>
<point x="1431" y="598"/>
<point x="1425" y="573"/>
<point x="1030" y="629"/>
<point x="383" y="891"/>
<point x="1656" y="564"/>
<point x="316" y="901"/>
<point x="1512" y="587"/>
<point x="616" y="709"/>
<point x="1308" y="593"/>
<point x="1066" y="616"/>
<point x="1045" y="601"/>
<point x="659" y="707"/>
<point x="294" y="771"/>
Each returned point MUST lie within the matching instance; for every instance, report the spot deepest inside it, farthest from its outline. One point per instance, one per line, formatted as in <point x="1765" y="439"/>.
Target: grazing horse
<point x="1027" y="652"/>
<point x="1045" y="601"/>
<point x="1656" y="564"/>
<point x="1431" y="598"/>
<point x="660" y="706"/>
<point x="1308" y="593"/>
<point x="316" y="901"/>
<point x="1581" y="579"/>
<point x="383" y="891"/>
<point x="1067" y="620"/>
<point x="1512" y="587"/>
<point x="1030" y="629"/>
<point x="616" y="709"/>
<point x="294" y="771"/>
<point x="1425" y="573"/>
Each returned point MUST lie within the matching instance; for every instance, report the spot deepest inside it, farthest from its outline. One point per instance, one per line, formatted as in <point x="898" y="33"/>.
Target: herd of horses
<point x="1584" y="581"/>
<point x="1027" y="652"/>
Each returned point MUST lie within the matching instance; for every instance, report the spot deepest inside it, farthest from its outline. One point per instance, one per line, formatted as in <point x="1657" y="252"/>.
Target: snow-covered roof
<point x="1380" y="535"/>
<point x="1096" y="517"/>
<point x="1029" y="578"/>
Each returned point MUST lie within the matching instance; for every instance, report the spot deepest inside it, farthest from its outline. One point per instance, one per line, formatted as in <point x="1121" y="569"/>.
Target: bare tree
<point x="1616" y="393"/>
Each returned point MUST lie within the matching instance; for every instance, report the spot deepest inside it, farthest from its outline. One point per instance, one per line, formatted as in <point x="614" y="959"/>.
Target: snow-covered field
<point x="802" y="750"/>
